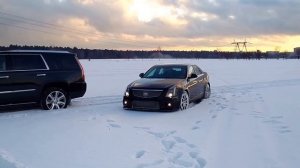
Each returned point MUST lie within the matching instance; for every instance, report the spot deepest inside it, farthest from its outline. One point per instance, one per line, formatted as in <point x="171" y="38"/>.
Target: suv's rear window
<point x="62" y="62"/>
<point x="25" y="62"/>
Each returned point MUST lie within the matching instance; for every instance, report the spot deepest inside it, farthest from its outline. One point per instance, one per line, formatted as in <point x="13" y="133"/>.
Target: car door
<point x="201" y="81"/>
<point x="27" y="73"/>
<point x="192" y="83"/>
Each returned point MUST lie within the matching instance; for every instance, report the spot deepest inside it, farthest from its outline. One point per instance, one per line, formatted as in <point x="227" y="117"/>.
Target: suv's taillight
<point x="82" y="70"/>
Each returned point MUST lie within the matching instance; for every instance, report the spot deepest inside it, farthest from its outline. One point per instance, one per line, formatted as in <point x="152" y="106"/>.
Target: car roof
<point x="173" y="65"/>
<point x="34" y="51"/>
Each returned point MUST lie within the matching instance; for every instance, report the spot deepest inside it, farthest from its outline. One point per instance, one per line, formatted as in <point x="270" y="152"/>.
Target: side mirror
<point x="141" y="75"/>
<point x="193" y="76"/>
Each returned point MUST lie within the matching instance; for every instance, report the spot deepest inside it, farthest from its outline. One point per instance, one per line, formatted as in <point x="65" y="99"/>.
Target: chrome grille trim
<point x="146" y="93"/>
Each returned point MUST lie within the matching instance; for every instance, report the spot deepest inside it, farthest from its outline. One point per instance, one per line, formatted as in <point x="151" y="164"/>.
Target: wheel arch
<point x="187" y="91"/>
<point x="184" y="89"/>
<point x="61" y="85"/>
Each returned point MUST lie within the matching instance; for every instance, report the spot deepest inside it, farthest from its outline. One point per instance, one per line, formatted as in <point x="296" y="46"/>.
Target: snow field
<point x="250" y="120"/>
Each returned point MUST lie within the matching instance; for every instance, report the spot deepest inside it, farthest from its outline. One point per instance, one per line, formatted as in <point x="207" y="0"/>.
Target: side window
<point x="62" y="62"/>
<point x="25" y="62"/>
<point x="161" y="71"/>
<point x="2" y="63"/>
<point x="200" y="70"/>
<point x="197" y="71"/>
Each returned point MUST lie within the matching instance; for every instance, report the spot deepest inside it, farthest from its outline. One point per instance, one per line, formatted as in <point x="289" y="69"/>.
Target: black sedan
<point x="167" y="88"/>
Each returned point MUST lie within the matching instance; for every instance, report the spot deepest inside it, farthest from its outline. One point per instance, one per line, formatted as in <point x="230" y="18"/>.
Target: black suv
<point x="50" y="78"/>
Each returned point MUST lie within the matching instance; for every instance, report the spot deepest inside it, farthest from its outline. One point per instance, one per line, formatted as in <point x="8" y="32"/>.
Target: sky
<point x="268" y="25"/>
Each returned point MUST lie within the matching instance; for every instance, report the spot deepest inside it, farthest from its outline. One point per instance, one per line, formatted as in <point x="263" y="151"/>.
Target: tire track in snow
<point x="245" y="95"/>
<point x="8" y="161"/>
<point x="267" y="143"/>
<point x="261" y="112"/>
<point x="242" y="118"/>
<point x="100" y="100"/>
<point x="217" y="99"/>
<point x="224" y="99"/>
<point x="257" y="85"/>
<point x="223" y="95"/>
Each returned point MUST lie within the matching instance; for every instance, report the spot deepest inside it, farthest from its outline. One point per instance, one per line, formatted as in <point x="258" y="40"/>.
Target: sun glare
<point x="86" y="2"/>
<point x="146" y="11"/>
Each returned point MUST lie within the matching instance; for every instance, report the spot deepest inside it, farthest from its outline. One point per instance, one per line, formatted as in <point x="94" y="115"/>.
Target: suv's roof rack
<point x="37" y="51"/>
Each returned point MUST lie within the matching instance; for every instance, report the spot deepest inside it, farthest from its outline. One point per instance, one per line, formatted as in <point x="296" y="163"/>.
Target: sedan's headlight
<point x="171" y="92"/>
<point x="126" y="94"/>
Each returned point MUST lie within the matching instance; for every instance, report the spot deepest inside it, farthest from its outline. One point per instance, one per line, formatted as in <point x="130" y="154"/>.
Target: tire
<point x="184" y="101"/>
<point x="207" y="91"/>
<point x="54" y="98"/>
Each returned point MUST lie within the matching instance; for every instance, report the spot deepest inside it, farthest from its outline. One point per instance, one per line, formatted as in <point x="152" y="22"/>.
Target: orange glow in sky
<point x="147" y="25"/>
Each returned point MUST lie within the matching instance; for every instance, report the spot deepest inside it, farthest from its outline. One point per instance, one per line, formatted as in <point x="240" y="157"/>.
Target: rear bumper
<point x="152" y="104"/>
<point x="77" y="89"/>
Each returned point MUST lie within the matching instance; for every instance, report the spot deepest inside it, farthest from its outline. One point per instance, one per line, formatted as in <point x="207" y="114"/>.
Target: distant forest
<point x="141" y="54"/>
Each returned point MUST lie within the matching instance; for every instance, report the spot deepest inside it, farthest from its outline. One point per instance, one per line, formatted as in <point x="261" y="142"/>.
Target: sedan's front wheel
<point x="54" y="98"/>
<point x="184" y="101"/>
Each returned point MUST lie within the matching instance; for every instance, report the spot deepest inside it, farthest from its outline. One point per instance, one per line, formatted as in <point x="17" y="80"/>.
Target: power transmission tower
<point x="240" y="46"/>
<point x="158" y="49"/>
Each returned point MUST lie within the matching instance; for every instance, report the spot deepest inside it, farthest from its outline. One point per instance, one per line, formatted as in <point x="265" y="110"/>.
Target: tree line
<point x="84" y="53"/>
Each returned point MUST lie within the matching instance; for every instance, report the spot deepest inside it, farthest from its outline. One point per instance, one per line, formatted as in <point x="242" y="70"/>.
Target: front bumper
<point x="151" y="104"/>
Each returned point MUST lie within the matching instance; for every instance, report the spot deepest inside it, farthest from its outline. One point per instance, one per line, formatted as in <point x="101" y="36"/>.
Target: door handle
<point x="4" y="77"/>
<point x="39" y="75"/>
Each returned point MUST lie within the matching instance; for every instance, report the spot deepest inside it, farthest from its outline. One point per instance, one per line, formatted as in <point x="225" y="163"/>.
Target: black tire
<point x="184" y="101"/>
<point x="207" y="91"/>
<point x="54" y="98"/>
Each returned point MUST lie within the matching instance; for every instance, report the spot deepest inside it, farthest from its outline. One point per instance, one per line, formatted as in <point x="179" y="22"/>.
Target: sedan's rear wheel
<point x="54" y="98"/>
<point x="184" y="101"/>
<point x="207" y="91"/>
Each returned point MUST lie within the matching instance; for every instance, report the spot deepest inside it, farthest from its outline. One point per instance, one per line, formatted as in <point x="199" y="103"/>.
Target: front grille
<point x="149" y="105"/>
<point x="143" y="93"/>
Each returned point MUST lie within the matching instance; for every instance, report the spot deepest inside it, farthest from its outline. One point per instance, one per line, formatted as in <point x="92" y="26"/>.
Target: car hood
<point x="156" y="83"/>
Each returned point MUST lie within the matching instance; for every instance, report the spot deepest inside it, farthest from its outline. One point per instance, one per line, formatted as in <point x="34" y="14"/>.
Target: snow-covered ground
<point x="251" y="120"/>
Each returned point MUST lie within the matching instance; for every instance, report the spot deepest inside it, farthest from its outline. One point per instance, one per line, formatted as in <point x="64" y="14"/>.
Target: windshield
<point x="170" y="72"/>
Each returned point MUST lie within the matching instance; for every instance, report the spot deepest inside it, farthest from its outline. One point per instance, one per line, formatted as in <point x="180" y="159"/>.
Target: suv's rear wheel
<point x="54" y="98"/>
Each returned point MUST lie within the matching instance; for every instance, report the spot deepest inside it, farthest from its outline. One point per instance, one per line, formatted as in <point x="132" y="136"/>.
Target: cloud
<point x="178" y="21"/>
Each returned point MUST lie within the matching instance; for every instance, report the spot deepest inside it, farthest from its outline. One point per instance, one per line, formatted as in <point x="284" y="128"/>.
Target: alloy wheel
<point x="56" y="100"/>
<point x="184" y="101"/>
